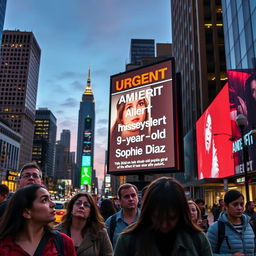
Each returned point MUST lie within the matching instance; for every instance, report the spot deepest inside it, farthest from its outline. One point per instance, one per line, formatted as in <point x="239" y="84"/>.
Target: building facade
<point x="64" y="161"/>
<point x="2" y="16"/>
<point x="198" y="48"/>
<point x="44" y="141"/>
<point x="85" y="139"/>
<point x="19" y="71"/>
<point x="239" y="18"/>
<point x="9" y="155"/>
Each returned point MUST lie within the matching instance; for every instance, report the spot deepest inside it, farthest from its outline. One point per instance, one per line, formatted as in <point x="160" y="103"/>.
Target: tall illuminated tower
<point x="85" y="138"/>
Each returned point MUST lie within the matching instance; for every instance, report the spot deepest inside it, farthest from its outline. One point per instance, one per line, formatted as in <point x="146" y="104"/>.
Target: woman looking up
<point x="24" y="226"/>
<point x="84" y="224"/>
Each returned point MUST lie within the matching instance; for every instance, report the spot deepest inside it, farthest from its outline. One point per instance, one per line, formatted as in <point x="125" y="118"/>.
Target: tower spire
<point x="88" y="89"/>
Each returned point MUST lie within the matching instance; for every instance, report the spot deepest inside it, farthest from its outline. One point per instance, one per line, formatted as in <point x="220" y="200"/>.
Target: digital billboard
<point x="242" y="92"/>
<point x="213" y="134"/>
<point x="86" y="175"/>
<point x="142" y="134"/>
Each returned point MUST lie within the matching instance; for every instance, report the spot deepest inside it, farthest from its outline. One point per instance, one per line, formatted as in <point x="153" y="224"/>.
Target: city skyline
<point x="73" y="39"/>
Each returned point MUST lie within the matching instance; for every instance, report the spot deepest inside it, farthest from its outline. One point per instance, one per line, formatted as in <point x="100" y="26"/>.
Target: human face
<point x="134" y="112"/>
<point x="253" y="89"/>
<point x="208" y="133"/>
<point x="128" y="199"/>
<point x="166" y="224"/>
<point x="81" y="208"/>
<point x="30" y="176"/>
<point x="235" y="209"/>
<point x="42" y="210"/>
<point x="193" y="212"/>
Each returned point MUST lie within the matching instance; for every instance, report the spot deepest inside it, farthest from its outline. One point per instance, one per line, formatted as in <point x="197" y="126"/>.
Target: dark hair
<point x="4" y="190"/>
<point x="29" y="166"/>
<point x="250" y="101"/>
<point x="248" y="204"/>
<point x="126" y="186"/>
<point x="95" y="221"/>
<point x="231" y="196"/>
<point x="165" y="195"/>
<point x="12" y="222"/>
<point x="143" y="191"/>
<point x="107" y="208"/>
<point x="199" y="201"/>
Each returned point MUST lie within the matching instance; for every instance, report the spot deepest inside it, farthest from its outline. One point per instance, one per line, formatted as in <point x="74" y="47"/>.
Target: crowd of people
<point x="166" y="223"/>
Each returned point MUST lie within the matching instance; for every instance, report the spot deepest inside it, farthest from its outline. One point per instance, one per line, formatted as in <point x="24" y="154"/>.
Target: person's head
<point x="128" y="196"/>
<point x="107" y="208"/>
<point x="195" y="211"/>
<point x="82" y="206"/>
<point x="249" y="206"/>
<point x="234" y="203"/>
<point x="201" y="203"/>
<point x="4" y="191"/>
<point x="164" y="208"/>
<point x="130" y="113"/>
<point x="250" y="87"/>
<point x="30" y="173"/>
<point x="221" y="202"/>
<point x="29" y="204"/>
<point x="208" y="132"/>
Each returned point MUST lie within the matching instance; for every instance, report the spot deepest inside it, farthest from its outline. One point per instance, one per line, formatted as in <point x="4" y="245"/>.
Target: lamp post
<point x="242" y="122"/>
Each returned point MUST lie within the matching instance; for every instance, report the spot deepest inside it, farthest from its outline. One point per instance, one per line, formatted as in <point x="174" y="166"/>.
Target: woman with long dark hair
<point x="107" y="208"/>
<point x="24" y="226"/>
<point x="85" y="225"/>
<point x="164" y="226"/>
<point x="250" y="94"/>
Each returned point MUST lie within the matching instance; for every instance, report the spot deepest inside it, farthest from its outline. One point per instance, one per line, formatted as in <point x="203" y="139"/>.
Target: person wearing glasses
<point x="85" y="225"/>
<point x="30" y="173"/>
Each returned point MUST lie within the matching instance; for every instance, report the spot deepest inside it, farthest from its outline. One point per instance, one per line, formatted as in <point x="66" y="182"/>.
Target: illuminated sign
<point x="86" y="160"/>
<point x="12" y="175"/>
<point x="242" y="93"/>
<point x="142" y="134"/>
<point x="85" y="175"/>
<point x="213" y="131"/>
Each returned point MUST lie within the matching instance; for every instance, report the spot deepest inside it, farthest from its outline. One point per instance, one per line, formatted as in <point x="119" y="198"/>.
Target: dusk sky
<point x="77" y="34"/>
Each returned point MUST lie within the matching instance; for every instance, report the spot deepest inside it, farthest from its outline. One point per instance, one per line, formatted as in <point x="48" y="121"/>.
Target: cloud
<point x="60" y="112"/>
<point x="68" y="74"/>
<point x="102" y="121"/>
<point x="70" y="102"/>
<point x="102" y="131"/>
<point x="77" y="85"/>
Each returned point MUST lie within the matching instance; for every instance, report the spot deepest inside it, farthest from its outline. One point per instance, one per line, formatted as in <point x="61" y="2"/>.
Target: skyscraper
<point x="2" y="16"/>
<point x="85" y="138"/>
<point x="44" y="140"/>
<point x="239" y="18"/>
<point x="19" y="71"/>
<point x="198" y="48"/>
<point x="141" y="48"/>
<point x="65" y="138"/>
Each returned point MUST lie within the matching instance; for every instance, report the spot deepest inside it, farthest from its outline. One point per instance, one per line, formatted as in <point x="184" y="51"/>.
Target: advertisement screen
<point x="86" y="160"/>
<point x="85" y="175"/>
<point x="213" y="132"/>
<point x="141" y="127"/>
<point x="242" y="92"/>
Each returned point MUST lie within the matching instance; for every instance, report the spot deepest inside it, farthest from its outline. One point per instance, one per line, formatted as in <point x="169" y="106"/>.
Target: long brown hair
<point x="165" y="195"/>
<point x="95" y="221"/>
<point x="120" y="109"/>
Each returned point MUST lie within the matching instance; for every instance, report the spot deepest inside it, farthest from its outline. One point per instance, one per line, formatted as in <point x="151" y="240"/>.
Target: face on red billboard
<point x="141" y="127"/>
<point x="213" y="131"/>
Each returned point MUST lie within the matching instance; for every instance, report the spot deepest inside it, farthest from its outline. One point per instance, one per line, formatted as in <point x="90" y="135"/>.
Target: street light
<point x="242" y="122"/>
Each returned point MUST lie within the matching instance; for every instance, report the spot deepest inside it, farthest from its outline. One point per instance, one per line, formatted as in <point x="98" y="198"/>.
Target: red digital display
<point x="213" y="131"/>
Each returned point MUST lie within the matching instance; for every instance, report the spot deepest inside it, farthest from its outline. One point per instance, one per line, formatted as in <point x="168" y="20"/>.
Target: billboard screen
<point x="85" y="175"/>
<point x="142" y="136"/>
<point x="242" y="92"/>
<point x="213" y="131"/>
